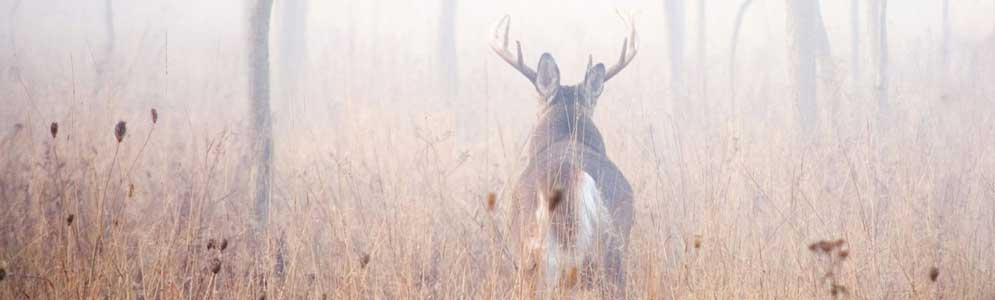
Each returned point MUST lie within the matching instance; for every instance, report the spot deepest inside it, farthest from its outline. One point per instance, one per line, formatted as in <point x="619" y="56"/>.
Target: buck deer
<point x="572" y="207"/>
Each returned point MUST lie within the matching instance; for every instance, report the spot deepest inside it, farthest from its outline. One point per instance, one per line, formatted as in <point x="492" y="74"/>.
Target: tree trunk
<point x="104" y="62"/>
<point x="855" y="40"/>
<point x="674" y="10"/>
<point x="291" y="67"/>
<point x="702" y="54"/>
<point x="945" y="48"/>
<point x="882" y="88"/>
<point x="810" y="44"/>
<point x="10" y="67"/>
<point x="740" y="14"/>
<point x="259" y="94"/>
<point x="447" y="49"/>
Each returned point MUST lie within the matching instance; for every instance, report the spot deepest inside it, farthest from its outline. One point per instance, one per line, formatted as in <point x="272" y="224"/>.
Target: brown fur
<point x="564" y="144"/>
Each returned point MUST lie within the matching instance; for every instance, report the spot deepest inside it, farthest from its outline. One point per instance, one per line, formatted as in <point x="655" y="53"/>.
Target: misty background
<point x="393" y="119"/>
<point x="189" y="56"/>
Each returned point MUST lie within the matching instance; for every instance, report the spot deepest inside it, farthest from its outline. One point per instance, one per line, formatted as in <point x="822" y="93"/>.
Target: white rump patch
<point x="593" y="216"/>
<point x="593" y="227"/>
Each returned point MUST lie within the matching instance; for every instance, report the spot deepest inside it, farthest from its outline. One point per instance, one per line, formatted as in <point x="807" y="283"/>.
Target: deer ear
<point x="594" y="81"/>
<point x="547" y="76"/>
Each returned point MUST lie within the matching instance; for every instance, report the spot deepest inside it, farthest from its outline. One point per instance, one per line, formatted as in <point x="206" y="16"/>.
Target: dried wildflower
<point x="815" y="246"/>
<point x="837" y="290"/>
<point x="155" y="116"/>
<point x="826" y="246"/>
<point x="570" y="277"/>
<point x="224" y="245"/>
<point x="491" y="201"/>
<point x="933" y="274"/>
<point x="835" y="252"/>
<point x="364" y="260"/>
<point x="119" y="130"/>
<point x="54" y="129"/>
<point x="211" y="244"/>
<point x="215" y="265"/>
<point x="555" y="198"/>
<point x="69" y="219"/>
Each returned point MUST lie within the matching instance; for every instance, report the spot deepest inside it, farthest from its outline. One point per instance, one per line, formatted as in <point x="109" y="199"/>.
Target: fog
<point x="387" y="44"/>
<point x="392" y="121"/>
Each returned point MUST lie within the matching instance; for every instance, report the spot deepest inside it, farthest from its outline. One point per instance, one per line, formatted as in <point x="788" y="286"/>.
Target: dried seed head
<point x="933" y="274"/>
<point x="155" y="116"/>
<point x="54" y="128"/>
<point x="697" y="242"/>
<point x="837" y="290"/>
<point x="826" y="246"/>
<point x="69" y="219"/>
<point x="131" y="190"/>
<point x="491" y="201"/>
<point x="119" y="130"/>
<point x="211" y="243"/>
<point x="224" y="244"/>
<point x="215" y="265"/>
<point x="364" y="260"/>
<point x="570" y="277"/>
<point x="554" y="199"/>
<point x="815" y="246"/>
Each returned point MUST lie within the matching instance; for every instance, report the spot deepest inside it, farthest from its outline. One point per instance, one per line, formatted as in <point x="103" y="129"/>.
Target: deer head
<point x="546" y="77"/>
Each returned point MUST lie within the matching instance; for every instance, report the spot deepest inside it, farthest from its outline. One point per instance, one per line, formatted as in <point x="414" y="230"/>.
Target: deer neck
<point x="565" y="124"/>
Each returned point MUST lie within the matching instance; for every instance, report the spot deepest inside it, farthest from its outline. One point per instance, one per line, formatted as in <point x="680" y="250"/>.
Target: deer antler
<point x="499" y="43"/>
<point x="629" y="49"/>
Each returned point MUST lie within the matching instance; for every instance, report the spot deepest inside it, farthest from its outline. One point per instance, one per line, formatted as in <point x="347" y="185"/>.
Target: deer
<point x="572" y="208"/>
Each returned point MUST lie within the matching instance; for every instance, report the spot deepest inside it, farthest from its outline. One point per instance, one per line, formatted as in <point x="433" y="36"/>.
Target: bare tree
<point x="291" y="62"/>
<point x="855" y="40"/>
<point x="878" y="15"/>
<point x="259" y="95"/>
<point x="809" y="44"/>
<point x="674" y="10"/>
<point x="108" y="47"/>
<point x="447" y="48"/>
<point x="946" y="32"/>
<point x="12" y="36"/>
<point x="945" y="47"/>
<point x="740" y="14"/>
<point x="702" y="51"/>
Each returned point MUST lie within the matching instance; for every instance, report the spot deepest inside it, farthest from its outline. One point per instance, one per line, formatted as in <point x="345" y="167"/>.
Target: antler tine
<point x="515" y="60"/>
<point x="507" y="28"/>
<point x="629" y="49"/>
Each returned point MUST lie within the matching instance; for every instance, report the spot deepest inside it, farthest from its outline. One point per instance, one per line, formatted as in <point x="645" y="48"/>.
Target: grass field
<point x="381" y="186"/>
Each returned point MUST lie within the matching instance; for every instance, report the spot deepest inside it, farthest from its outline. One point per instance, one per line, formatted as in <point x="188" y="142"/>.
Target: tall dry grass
<point x="386" y="196"/>
<point x="391" y="210"/>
